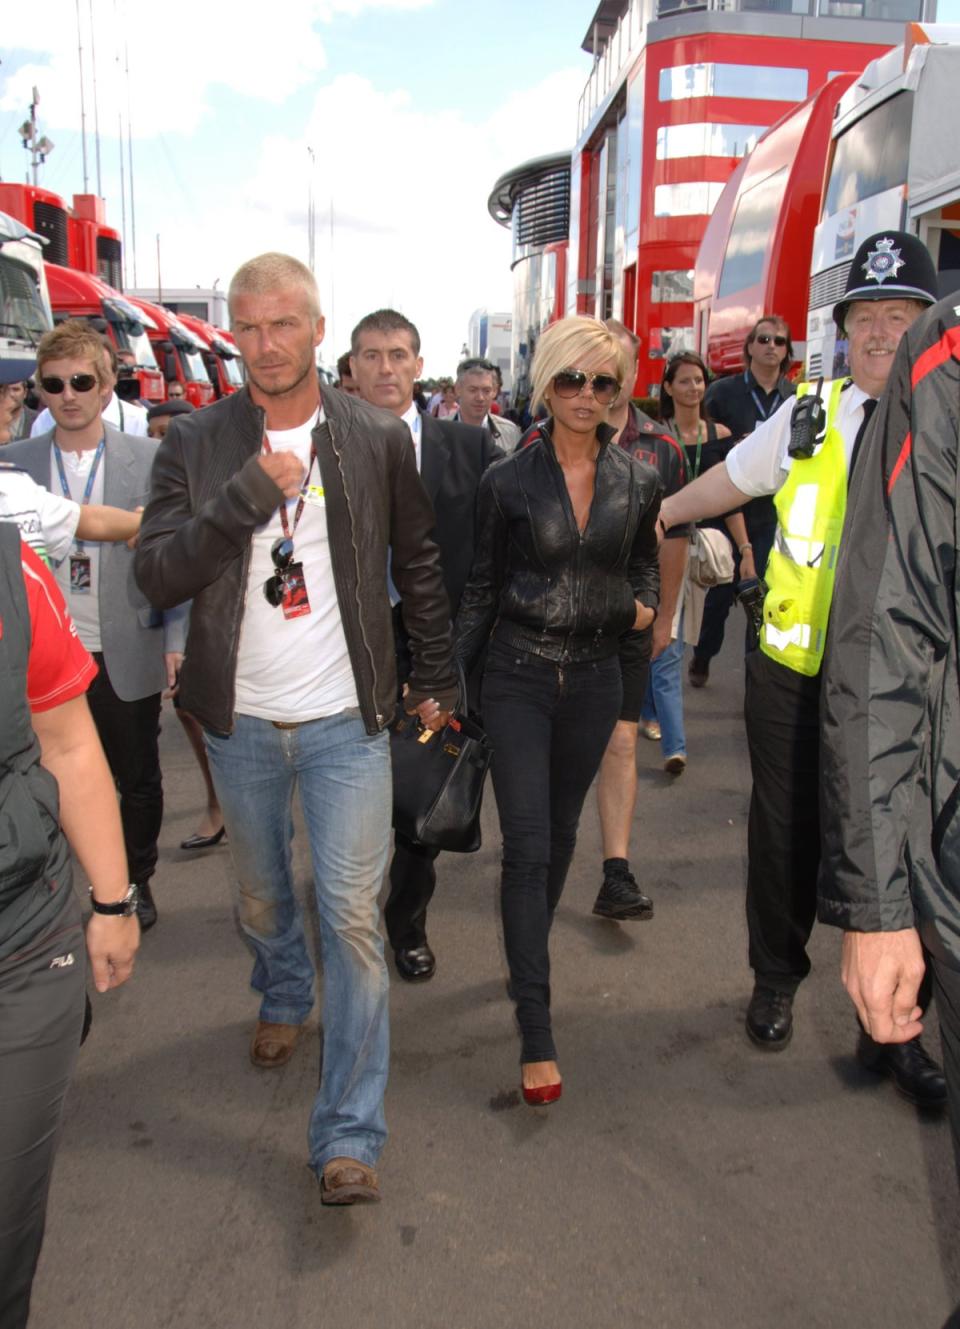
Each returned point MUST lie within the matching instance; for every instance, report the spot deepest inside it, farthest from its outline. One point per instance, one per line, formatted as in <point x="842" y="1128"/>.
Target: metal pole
<point x="83" y="108"/>
<point x="311" y="216"/>
<point x="159" y="287"/>
<point x="96" y="109"/>
<point x="333" y="279"/>
<point x="123" y="187"/>
<point x="133" y="214"/>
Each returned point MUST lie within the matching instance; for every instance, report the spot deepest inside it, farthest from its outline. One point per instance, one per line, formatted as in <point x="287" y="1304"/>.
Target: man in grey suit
<point x="138" y="650"/>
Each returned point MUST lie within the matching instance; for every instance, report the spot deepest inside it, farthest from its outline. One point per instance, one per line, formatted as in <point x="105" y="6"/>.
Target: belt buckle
<point x="285" y="724"/>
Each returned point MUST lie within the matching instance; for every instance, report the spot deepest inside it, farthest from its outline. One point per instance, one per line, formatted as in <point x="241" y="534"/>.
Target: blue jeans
<point x="344" y="779"/>
<point x="664" y="699"/>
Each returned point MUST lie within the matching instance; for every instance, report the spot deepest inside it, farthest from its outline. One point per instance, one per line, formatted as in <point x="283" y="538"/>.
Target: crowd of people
<point x="294" y="563"/>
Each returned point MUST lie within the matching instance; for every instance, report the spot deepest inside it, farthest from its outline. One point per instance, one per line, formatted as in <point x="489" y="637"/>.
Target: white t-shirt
<point x="47" y="522"/>
<point x="123" y="415"/>
<point x="294" y="668"/>
<point x="760" y="463"/>
<point x="84" y="606"/>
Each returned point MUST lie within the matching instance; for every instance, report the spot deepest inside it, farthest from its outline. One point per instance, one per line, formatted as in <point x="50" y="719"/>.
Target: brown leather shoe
<point x="272" y="1044"/>
<point x="346" y="1181"/>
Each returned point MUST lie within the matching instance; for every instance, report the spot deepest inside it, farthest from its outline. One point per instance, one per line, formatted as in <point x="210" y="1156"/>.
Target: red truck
<point x="220" y="352"/>
<point x="79" y="295"/>
<point x="179" y="353"/>
<point x="754" y="257"/>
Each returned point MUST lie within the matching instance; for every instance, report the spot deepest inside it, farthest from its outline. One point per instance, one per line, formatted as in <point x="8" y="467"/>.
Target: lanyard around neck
<point x="701" y="435"/>
<point x="91" y="478"/>
<point x="763" y="409"/>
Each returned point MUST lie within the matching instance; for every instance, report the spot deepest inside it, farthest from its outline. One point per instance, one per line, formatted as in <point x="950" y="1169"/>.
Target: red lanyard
<point x="301" y="502"/>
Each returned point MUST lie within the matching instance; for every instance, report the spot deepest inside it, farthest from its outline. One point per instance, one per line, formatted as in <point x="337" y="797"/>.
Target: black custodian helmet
<point x="891" y="265"/>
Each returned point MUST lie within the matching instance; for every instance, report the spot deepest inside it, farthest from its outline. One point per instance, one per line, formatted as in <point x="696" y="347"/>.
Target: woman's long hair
<point x="673" y="367"/>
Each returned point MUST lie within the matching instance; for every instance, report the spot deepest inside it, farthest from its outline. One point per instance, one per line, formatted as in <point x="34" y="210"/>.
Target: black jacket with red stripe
<point x="890" y="791"/>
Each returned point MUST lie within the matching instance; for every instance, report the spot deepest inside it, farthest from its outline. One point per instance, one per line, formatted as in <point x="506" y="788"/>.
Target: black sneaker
<point x="621" y="897"/>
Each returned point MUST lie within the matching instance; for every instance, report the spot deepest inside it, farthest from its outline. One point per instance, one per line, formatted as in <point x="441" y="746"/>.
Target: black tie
<point x="869" y="406"/>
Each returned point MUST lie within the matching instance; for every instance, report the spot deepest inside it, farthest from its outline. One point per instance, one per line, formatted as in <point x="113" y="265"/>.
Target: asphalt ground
<point x="685" y="1178"/>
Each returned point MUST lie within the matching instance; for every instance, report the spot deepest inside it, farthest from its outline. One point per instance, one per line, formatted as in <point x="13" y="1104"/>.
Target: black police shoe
<point x="416" y="965"/>
<point x="620" y="897"/>
<point x="146" y="908"/>
<point x="770" y="1018"/>
<point x="913" y="1071"/>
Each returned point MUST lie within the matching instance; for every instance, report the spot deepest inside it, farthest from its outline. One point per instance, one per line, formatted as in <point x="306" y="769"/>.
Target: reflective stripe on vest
<point x="811" y="505"/>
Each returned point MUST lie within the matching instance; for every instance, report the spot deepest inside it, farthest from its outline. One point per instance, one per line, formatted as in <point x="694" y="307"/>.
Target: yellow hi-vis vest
<point x="803" y="562"/>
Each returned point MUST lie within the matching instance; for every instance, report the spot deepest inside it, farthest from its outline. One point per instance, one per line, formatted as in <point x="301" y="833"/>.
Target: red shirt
<point x="60" y="667"/>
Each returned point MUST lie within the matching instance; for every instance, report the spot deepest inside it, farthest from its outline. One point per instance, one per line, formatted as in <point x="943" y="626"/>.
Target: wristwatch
<point x="118" y="908"/>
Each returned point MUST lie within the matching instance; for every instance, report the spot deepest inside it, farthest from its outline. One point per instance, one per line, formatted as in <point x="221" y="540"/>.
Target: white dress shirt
<point x="760" y="463"/>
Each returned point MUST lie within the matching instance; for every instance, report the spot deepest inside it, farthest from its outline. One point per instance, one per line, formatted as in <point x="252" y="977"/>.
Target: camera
<point x="751" y="593"/>
<point x="128" y="385"/>
<point x="807" y="424"/>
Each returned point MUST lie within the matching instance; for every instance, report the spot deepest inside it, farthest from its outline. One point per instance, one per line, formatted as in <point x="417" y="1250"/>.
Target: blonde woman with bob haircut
<point x="566" y="562"/>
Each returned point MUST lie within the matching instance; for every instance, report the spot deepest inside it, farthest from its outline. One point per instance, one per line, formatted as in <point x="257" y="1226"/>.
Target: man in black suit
<point x="385" y="363"/>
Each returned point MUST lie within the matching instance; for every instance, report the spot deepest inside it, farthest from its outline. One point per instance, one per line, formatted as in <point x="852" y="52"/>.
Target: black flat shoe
<point x="770" y="1019"/>
<point x="146" y="908"/>
<point x="203" y="841"/>
<point x="416" y="965"/>
<point x="913" y="1071"/>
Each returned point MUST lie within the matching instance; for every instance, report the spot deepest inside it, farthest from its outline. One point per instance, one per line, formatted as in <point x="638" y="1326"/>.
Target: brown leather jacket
<point x="209" y="494"/>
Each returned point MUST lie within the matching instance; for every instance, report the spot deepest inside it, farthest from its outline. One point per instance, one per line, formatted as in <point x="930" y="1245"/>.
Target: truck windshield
<point x="132" y="337"/>
<point x="195" y="371"/>
<point x="871" y="156"/>
<point x="21" y="308"/>
<point x="231" y="369"/>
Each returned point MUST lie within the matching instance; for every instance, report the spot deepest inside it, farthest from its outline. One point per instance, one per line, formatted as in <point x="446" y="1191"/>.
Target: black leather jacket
<point x="209" y="494"/>
<point x="549" y="589"/>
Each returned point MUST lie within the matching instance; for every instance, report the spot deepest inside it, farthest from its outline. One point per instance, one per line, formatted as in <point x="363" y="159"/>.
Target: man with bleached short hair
<point x="273" y="510"/>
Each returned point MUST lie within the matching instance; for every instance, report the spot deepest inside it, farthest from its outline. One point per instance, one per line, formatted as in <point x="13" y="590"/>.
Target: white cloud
<point x="176" y="53"/>
<point x="408" y="187"/>
<point x="409" y="195"/>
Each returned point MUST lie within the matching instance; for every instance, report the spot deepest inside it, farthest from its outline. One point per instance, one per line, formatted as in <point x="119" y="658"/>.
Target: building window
<point x="751" y="233"/>
<point x="675" y="285"/>
<point x="693" y="199"/>
<point x="706" y="140"/>
<point x="871" y="156"/>
<point x="753" y="82"/>
<point x="665" y="342"/>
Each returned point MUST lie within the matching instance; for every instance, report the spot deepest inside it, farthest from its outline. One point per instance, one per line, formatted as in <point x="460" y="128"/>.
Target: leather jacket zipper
<point x="356" y="557"/>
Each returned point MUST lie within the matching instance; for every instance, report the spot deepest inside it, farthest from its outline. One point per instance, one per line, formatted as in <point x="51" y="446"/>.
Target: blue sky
<point x="412" y="109"/>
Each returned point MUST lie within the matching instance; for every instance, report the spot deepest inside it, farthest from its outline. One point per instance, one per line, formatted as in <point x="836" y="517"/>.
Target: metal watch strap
<point x="118" y="908"/>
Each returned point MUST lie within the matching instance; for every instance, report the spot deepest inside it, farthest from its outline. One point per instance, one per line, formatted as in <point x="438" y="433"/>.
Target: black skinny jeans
<point x="549" y="725"/>
<point x="130" y="734"/>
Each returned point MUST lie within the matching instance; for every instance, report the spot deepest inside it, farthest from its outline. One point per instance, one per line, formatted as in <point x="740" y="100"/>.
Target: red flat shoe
<point x="541" y="1094"/>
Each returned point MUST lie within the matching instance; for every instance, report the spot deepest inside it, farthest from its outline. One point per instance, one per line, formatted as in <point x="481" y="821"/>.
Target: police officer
<point x="804" y="457"/>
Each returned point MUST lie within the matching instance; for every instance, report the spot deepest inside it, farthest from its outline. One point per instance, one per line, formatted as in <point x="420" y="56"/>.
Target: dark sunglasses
<point x="79" y="383"/>
<point x="281" y="552"/>
<point x="571" y="382"/>
<point x="764" y="338"/>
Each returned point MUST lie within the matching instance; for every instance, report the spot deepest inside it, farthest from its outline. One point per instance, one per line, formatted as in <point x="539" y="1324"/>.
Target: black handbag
<point x="438" y="779"/>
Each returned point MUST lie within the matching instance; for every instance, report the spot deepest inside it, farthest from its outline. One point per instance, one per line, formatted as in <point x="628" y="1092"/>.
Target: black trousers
<point x="946" y="987"/>
<point x="413" y="878"/>
<point x="130" y="732"/>
<point x="782" y="712"/>
<point x="41" y="1015"/>
<point x="549" y="726"/>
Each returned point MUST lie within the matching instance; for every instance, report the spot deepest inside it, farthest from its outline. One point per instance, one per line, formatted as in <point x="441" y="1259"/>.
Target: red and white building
<point x="678" y="94"/>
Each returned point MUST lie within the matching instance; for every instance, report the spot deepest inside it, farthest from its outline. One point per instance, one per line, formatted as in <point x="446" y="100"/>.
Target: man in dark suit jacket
<point x="385" y="363"/>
